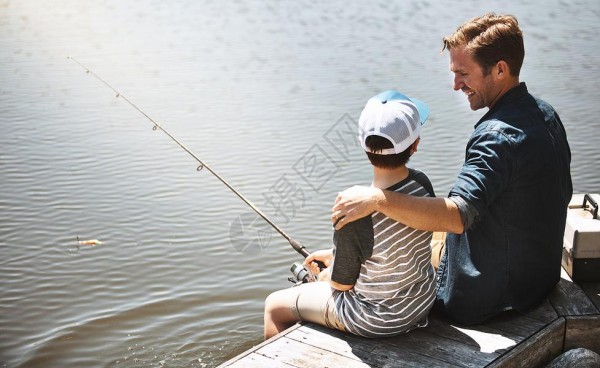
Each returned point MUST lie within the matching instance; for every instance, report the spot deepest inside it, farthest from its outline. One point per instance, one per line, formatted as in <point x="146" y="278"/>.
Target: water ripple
<point x="251" y="87"/>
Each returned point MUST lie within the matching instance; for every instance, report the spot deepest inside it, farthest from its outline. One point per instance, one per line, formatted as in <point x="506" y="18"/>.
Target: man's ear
<point x="414" y="146"/>
<point x="502" y="70"/>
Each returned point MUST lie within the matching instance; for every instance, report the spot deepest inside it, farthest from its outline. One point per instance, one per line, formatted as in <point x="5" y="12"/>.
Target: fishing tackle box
<point x="581" y="244"/>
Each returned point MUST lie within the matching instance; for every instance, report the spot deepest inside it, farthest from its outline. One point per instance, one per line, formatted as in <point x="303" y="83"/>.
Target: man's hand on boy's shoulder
<point x="354" y="203"/>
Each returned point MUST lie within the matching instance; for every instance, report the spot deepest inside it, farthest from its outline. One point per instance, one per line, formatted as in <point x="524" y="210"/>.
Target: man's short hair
<point x="489" y="39"/>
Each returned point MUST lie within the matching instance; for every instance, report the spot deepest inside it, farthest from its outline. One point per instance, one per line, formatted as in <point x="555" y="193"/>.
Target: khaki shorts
<point x="314" y="302"/>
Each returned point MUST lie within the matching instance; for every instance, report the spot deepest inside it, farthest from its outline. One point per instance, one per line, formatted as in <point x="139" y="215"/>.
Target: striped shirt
<point x="390" y="266"/>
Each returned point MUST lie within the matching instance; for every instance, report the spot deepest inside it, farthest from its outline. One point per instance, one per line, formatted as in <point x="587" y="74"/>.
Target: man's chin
<point x="475" y="106"/>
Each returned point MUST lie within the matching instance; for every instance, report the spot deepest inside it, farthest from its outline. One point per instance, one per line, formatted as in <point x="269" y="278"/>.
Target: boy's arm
<point x="340" y="287"/>
<point x="325" y="256"/>
<point x="354" y="245"/>
<point x="423" y="213"/>
<point x="325" y="275"/>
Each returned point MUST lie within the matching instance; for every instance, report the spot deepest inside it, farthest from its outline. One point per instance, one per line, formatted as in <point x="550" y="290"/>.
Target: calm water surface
<point x="266" y="93"/>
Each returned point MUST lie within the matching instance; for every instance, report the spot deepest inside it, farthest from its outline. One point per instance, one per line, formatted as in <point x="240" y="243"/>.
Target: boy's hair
<point x="393" y="161"/>
<point x="489" y="39"/>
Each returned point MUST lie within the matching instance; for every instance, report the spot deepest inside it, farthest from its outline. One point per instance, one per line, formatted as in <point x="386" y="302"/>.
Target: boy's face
<point x="481" y="90"/>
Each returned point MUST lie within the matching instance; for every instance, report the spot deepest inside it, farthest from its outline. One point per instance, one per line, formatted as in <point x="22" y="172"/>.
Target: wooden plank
<point x="450" y="351"/>
<point x="503" y="331"/>
<point x="568" y="299"/>
<point x="302" y="355"/>
<point x="544" y="312"/>
<point x="583" y="332"/>
<point x="536" y="351"/>
<point x="514" y="326"/>
<point x="373" y="352"/>
<point x="242" y="356"/>
<point x="592" y="290"/>
<point x="255" y="360"/>
<point x="479" y="338"/>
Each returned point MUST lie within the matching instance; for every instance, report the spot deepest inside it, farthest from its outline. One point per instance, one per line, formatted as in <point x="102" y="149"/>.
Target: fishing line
<point x="202" y="165"/>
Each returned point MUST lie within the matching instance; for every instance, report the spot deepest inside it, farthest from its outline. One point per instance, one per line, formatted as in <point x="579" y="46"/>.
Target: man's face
<point x="481" y="90"/>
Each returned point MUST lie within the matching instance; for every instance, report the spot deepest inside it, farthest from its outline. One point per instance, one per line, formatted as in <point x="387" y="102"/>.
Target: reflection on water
<point x="262" y="92"/>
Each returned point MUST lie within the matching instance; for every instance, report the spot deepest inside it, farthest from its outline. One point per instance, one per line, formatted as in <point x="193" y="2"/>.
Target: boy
<point x="379" y="281"/>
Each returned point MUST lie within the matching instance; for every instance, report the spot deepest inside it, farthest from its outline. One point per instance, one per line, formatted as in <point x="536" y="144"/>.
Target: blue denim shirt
<point x="516" y="175"/>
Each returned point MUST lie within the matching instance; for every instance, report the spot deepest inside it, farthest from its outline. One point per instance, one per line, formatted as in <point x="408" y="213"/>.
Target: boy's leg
<point x="312" y="302"/>
<point x="318" y="306"/>
<point x="280" y="311"/>
<point x="438" y="246"/>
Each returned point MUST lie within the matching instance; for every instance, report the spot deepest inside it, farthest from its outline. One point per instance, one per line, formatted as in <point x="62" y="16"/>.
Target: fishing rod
<point x="298" y="247"/>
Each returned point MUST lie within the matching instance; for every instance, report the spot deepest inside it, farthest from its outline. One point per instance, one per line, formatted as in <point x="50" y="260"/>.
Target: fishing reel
<point x="301" y="274"/>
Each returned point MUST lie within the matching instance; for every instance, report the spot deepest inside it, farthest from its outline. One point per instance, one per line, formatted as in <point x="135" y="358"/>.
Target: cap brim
<point x="422" y="108"/>
<point x="390" y="95"/>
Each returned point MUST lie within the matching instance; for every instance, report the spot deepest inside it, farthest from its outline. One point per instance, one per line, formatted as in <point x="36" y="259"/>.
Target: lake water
<point x="267" y="94"/>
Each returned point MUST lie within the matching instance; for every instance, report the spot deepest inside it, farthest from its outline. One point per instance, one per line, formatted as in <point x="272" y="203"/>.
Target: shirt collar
<point x="511" y="95"/>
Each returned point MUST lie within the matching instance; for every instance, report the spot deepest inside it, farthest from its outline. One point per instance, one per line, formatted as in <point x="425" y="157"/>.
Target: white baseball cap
<point x="393" y="116"/>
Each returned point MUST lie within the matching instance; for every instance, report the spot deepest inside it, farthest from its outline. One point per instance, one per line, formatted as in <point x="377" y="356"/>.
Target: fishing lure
<point x="91" y="242"/>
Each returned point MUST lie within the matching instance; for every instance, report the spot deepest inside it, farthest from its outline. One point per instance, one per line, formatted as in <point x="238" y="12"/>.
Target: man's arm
<point x="423" y="213"/>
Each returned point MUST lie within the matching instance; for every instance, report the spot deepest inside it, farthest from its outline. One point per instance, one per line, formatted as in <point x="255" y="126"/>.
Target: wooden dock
<point x="569" y="318"/>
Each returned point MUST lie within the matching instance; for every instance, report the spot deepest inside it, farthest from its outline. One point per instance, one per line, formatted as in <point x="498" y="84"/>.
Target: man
<point x="506" y="213"/>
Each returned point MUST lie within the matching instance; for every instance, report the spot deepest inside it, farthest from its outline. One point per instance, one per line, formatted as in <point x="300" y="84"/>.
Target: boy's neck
<point x="385" y="178"/>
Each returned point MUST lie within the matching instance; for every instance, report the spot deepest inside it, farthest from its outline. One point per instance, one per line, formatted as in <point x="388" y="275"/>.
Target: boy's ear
<point x="414" y="146"/>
